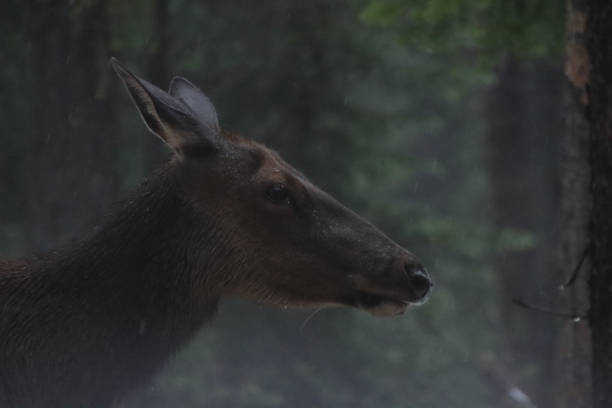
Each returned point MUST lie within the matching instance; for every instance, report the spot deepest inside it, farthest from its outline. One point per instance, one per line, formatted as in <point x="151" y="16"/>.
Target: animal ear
<point x="166" y="117"/>
<point x="201" y="107"/>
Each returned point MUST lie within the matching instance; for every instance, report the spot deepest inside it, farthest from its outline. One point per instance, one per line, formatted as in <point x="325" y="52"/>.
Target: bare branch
<point x="576" y="271"/>
<point x="573" y="316"/>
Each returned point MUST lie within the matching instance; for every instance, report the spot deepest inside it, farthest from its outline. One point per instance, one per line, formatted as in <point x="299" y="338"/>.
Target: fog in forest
<point x="441" y="123"/>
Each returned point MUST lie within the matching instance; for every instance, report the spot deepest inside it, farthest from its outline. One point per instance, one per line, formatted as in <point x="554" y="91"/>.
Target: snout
<point x="419" y="280"/>
<point x="390" y="291"/>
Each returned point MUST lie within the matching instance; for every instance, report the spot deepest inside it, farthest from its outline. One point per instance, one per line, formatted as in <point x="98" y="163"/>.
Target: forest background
<point x="441" y="122"/>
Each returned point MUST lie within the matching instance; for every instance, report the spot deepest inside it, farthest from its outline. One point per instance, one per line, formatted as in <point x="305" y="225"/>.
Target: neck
<point x="88" y="325"/>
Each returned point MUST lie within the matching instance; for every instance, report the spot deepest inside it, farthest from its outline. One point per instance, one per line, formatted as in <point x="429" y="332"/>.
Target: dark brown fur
<point x="81" y="327"/>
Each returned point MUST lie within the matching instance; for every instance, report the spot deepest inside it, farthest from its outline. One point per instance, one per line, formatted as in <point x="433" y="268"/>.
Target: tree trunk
<point x="598" y="37"/>
<point x="589" y="70"/>
<point x="575" y="349"/>
<point x="158" y="74"/>
<point x="72" y="129"/>
<point x="524" y="117"/>
<point x="574" y="384"/>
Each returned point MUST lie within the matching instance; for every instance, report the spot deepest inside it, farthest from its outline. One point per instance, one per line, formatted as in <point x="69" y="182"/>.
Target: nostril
<point x="419" y="280"/>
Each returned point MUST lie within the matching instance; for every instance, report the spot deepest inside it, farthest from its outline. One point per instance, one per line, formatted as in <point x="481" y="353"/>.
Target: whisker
<point x="311" y="315"/>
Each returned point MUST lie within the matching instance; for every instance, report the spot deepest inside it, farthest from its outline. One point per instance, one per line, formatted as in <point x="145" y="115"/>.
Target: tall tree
<point x="575" y="349"/>
<point x="158" y="69"/>
<point x="517" y="44"/>
<point x="523" y="117"/>
<point x="590" y="74"/>
<point x="72" y="129"/>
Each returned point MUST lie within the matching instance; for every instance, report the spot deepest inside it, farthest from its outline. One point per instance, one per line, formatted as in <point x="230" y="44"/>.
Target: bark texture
<point x="575" y="349"/>
<point x="598" y="37"/>
<point x="588" y="195"/>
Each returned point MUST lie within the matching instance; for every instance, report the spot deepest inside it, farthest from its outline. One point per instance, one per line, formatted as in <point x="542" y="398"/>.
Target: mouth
<point x="381" y="305"/>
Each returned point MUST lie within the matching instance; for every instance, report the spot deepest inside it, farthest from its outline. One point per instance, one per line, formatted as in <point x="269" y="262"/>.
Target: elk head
<point x="289" y="242"/>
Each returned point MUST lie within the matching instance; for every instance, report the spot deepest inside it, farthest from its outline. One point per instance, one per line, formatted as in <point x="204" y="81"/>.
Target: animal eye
<point x="277" y="193"/>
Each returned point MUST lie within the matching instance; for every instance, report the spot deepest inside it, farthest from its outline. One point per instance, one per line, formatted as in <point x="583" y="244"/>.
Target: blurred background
<point x="440" y="121"/>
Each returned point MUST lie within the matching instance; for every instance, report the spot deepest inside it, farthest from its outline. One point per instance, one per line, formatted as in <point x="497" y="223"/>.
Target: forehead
<point x="266" y="159"/>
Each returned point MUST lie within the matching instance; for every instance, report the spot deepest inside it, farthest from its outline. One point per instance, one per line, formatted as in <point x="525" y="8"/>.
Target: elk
<point x="223" y="216"/>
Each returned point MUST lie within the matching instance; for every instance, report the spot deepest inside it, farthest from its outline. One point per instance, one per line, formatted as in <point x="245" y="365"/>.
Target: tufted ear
<point x="169" y="118"/>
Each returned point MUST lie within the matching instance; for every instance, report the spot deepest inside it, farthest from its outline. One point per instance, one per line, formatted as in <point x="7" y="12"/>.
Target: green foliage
<point x="393" y="129"/>
<point x="485" y="28"/>
<point x="511" y="239"/>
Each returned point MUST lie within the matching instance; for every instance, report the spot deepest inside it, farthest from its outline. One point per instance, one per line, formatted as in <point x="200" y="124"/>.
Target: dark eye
<point x="277" y="193"/>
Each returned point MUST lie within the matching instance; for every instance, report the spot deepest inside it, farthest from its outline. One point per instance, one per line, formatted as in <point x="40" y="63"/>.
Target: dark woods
<point x="405" y="131"/>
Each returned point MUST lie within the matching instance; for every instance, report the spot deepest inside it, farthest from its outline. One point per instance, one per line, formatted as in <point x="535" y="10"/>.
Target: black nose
<point x="419" y="280"/>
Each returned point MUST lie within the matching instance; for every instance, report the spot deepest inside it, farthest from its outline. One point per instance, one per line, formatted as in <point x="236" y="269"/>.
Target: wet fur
<point x="84" y="326"/>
